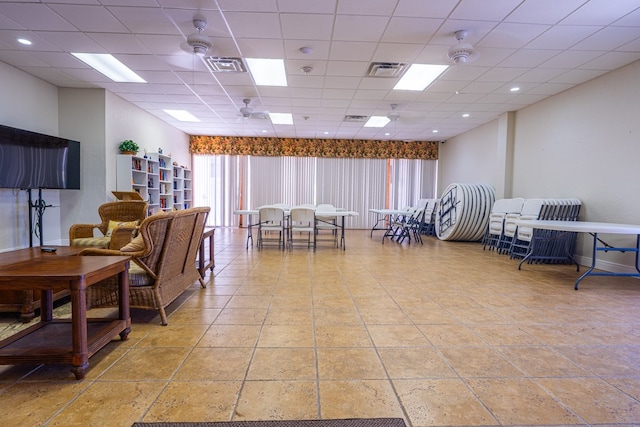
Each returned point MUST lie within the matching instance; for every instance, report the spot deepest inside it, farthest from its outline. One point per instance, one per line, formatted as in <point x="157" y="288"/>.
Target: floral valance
<point x="310" y="147"/>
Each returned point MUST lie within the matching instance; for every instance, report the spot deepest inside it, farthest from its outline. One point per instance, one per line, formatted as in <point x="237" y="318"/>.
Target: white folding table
<point x="249" y="213"/>
<point x="384" y="215"/>
<point x="593" y="228"/>
<point x="339" y="213"/>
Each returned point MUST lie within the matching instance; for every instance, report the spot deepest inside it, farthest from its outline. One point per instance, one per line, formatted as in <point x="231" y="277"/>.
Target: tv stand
<point x="39" y="206"/>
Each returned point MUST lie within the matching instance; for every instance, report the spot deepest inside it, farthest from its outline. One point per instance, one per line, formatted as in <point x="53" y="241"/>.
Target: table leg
<point x="249" y="231"/>
<point x="211" y="251"/>
<point x="46" y="305"/>
<point x="124" y="311"/>
<point x="343" y="243"/>
<point x="79" y="352"/>
<point x="379" y="217"/>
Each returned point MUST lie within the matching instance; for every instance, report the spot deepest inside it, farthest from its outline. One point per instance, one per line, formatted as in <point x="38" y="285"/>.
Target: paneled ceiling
<point x="541" y="46"/>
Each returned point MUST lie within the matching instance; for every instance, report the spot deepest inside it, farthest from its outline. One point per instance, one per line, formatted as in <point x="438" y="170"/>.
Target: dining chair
<point x="271" y="221"/>
<point x="302" y="220"/>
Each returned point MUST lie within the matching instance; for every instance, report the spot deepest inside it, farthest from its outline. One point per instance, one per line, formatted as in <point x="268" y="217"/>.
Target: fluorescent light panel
<point x="267" y="72"/>
<point x="281" y="118"/>
<point x="182" y="115"/>
<point x="419" y="76"/>
<point x="110" y="67"/>
<point x="377" y="122"/>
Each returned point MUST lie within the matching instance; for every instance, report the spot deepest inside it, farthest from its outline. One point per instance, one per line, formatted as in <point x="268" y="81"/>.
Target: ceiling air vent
<point x="225" y="64"/>
<point x="386" y="69"/>
<point x="354" y="118"/>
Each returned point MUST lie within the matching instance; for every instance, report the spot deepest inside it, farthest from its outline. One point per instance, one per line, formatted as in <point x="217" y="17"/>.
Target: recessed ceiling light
<point x="110" y="67"/>
<point x="377" y="122"/>
<point x="25" y="41"/>
<point x="419" y="76"/>
<point x="326" y="133"/>
<point x="435" y="131"/>
<point x="387" y="134"/>
<point x="281" y="118"/>
<point x="514" y="89"/>
<point x="466" y="115"/>
<point x="267" y="72"/>
<point x="182" y="115"/>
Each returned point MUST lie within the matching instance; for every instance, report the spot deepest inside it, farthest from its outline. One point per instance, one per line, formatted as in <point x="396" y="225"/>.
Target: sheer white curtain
<point x="223" y="182"/>
<point x="353" y="184"/>
<point x="289" y="180"/>
<point x="412" y="180"/>
<point x="217" y="183"/>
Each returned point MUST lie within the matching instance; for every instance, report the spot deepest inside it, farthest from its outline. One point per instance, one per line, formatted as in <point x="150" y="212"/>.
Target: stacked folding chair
<point x="514" y="210"/>
<point x="553" y="246"/>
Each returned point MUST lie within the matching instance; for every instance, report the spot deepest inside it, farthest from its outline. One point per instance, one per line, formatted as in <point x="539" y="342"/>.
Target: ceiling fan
<point x="198" y="41"/>
<point x="462" y="52"/>
<point x="394" y="116"/>
<point x="247" y="112"/>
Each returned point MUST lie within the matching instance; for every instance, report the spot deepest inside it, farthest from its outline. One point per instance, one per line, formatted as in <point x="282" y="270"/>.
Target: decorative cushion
<point x="94" y="242"/>
<point x="137" y="244"/>
<point x="114" y="224"/>
<point x="138" y="276"/>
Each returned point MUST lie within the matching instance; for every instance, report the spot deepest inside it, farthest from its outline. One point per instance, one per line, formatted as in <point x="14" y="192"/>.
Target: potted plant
<point x="128" y="147"/>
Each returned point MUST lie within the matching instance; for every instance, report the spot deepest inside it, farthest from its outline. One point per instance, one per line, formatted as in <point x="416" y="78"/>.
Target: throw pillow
<point x="137" y="244"/>
<point x="113" y="224"/>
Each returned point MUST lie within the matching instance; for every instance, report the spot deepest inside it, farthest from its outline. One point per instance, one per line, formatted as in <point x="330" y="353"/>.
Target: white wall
<point x="469" y="158"/>
<point x="96" y="118"/>
<point x="581" y="143"/>
<point x="26" y="103"/>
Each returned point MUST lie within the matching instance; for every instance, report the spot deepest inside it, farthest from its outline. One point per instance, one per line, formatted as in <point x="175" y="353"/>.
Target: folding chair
<point x="412" y="226"/>
<point x="271" y="220"/>
<point x="397" y="223"/>
<point x="302" y="220"/>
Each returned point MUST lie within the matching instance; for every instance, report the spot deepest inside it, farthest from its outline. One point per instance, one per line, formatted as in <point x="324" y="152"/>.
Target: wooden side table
<point x="203" y="262"/>
<point x="27" y="301"/>
<point x="72" y="340"/>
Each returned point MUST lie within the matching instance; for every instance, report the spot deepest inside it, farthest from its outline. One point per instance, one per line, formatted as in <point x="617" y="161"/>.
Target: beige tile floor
<point x="443" y="334"/>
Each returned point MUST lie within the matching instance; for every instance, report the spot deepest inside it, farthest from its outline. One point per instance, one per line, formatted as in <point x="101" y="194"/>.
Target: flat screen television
<point x="30" y="160"/>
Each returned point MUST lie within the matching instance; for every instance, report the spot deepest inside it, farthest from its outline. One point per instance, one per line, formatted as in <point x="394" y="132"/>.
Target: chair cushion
<point x="138" y="276"/>
<point x="137" y="244"/>
<point x="94" y="242"/>
<point x="113" y="224"/>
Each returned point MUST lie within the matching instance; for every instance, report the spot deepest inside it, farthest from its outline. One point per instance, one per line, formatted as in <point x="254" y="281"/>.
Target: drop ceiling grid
<point x="544" y="46"/>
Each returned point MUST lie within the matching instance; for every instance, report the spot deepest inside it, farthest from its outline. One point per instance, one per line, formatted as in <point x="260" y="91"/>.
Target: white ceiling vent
<point x="355" y="118"/>
<point x="386" y="69"/>
<point x="225" y="64"/>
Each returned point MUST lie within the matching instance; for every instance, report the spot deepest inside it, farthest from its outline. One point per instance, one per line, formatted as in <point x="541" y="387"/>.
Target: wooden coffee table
<point x="63" y="340"/>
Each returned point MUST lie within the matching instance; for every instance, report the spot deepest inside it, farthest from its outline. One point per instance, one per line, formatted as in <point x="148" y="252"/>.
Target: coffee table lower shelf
<point x="52" y="342"/>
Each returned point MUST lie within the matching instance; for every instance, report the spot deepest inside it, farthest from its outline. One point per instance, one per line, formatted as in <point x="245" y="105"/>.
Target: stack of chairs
<point x="502" y="228"/>
<point x="550" y="246"/>
<point x="495" y="233"/>
<point x="394" y="229"/>
<point x="530" y="211"/>
<point x="412" y="226"/>
<point x="428" y="225"/>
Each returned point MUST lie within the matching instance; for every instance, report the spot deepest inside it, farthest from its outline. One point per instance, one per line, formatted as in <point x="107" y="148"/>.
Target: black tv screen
<point x="30" y="160"/>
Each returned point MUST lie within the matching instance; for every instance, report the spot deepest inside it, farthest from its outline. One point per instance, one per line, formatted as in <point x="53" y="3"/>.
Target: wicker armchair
<point x="125" y="211"/>
<point x="161" y="268"/>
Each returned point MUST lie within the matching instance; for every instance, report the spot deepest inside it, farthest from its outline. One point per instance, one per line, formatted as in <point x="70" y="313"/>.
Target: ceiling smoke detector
<point x="198" y="41"/>
<point x="461" y="52"/>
